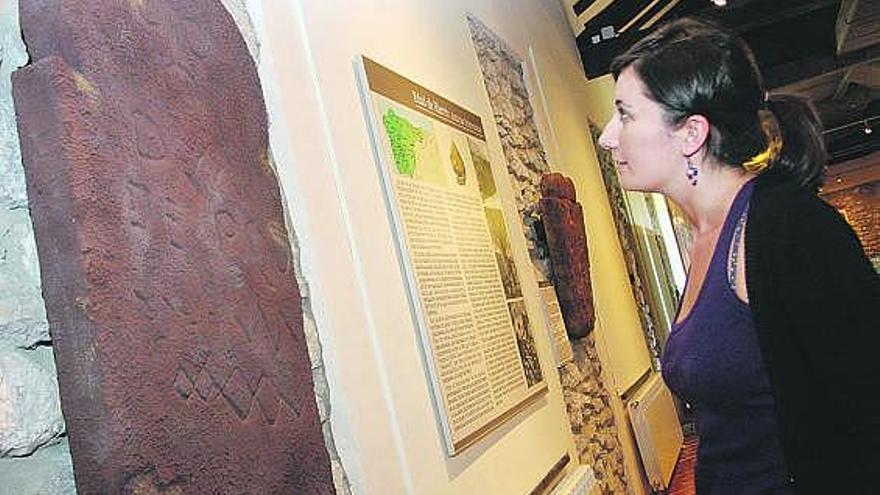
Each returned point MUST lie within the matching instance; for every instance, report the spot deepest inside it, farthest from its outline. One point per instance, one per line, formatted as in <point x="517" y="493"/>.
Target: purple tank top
<point x="712" y="361"/>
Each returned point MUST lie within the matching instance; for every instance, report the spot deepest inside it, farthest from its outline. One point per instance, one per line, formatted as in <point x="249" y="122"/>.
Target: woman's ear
<point x="694" y="133"/>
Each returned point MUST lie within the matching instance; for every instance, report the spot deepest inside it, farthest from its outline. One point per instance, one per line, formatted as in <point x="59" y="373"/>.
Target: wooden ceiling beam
<point x="840" y="90"/>
<point x="817" y="65"/>
<point x="756" y="15"/>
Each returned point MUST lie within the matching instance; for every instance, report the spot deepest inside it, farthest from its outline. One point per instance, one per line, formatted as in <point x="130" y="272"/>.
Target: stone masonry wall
<point x="586" y="398"/>
<point x="860" y="205"/>
<point x="592" y="421"/>
<point x="524" y="154"/>
<point x="34" y="456"/>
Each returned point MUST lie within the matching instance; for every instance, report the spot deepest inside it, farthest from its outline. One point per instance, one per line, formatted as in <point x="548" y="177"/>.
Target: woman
<point x="774" y="342"/>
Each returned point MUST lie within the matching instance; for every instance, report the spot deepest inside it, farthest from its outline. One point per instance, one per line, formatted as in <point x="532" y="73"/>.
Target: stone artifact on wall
<point x="168" y="276"/>
<point x="563" y="220"/>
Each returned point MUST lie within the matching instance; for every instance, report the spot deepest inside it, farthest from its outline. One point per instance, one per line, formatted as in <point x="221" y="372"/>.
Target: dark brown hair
<point x="694" y="67"/>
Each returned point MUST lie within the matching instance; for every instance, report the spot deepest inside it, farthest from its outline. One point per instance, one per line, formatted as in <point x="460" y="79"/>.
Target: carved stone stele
<point x="167" y="273"/>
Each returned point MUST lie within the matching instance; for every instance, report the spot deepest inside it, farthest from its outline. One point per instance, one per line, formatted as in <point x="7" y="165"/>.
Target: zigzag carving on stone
<point x="238" y="392"/>
<point x="167" y="275"/>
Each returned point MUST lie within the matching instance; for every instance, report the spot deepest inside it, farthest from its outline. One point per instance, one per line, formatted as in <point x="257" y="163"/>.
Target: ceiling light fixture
<point x="719" y="3"/>
<point x="865" y="124"/>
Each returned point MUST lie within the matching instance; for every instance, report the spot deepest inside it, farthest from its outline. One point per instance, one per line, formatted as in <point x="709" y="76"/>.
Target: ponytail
<point x="802" y="158"/>
<point x="692" y="66"/>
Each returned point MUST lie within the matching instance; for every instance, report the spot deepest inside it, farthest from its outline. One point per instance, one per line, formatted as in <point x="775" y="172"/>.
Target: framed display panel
<point x="452" y="239"/>
<point x="657" y="249"/>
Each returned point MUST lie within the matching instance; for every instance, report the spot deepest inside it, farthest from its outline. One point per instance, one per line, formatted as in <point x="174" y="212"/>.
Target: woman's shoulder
<point x="777" y="198"/>
<point x="778" y="187"/>
<point x="789" y="224"/>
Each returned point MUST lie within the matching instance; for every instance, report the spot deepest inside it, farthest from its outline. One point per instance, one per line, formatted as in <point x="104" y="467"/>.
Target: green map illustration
<point x="404" y="138"/>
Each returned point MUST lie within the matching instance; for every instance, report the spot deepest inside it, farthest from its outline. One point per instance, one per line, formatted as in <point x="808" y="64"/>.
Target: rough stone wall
<point x="520" y="141"/>
<point x="861" y="207"/>
<point x="34" y="456"/>
<point x="34" y="453"/>
<point x="592" y="421"/>
<point x="587" y="400"/>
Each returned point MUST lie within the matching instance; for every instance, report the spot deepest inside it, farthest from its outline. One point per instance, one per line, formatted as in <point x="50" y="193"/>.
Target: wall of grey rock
<point x="34" y="457"/>
<point x="588" y="404"/>
<point x="520" y="141"/>
<point x="587" y="400"/>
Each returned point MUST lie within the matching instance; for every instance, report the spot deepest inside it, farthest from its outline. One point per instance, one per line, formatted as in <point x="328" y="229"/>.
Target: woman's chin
<point x="625" y="176"/>
<point x="628" y="183"/>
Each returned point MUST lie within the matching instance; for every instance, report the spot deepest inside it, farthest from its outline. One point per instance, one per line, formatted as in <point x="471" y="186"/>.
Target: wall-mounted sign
<point x="453" y="242"/>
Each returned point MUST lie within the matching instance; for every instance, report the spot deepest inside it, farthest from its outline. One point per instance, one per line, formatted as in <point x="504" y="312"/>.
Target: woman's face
<point x="645" y="148"/>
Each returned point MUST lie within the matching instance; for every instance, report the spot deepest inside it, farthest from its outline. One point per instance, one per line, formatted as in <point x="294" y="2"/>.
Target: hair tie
<point x="762" y="160"/>
<point x="765" y="102"/>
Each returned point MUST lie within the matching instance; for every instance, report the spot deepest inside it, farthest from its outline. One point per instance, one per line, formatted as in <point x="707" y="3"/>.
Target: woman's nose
<point x="608" y="139"/>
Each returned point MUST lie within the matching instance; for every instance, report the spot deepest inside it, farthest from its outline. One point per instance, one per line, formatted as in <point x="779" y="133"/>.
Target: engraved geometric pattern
<point x="168" y="276"/>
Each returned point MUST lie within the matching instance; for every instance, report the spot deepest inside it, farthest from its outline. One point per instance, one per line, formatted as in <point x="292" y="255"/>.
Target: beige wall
<point x="382" y="413"/>
<point x="626" y="355"/>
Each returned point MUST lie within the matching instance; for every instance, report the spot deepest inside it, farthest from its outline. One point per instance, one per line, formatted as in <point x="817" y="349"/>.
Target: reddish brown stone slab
<point x="166" y="268"/>
<point x="556" y="185"/>
<point x="563" y="220"/>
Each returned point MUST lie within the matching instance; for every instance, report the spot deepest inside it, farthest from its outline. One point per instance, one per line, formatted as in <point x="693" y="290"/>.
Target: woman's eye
<point x="623" y="115"/>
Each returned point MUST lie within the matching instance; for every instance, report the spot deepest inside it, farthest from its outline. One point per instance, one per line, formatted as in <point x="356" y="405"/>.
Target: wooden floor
<point x="682" y="482"/>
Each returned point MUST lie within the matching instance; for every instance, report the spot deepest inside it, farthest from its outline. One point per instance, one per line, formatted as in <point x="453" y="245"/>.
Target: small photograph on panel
<point x="480" y="158"/>
<point x="503" y="253"/>
<point x="458" y="168"/>
<point x="525" y="342"/>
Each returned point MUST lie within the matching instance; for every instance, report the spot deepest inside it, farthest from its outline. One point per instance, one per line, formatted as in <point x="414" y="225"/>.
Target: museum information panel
<point x="453" y="240"/>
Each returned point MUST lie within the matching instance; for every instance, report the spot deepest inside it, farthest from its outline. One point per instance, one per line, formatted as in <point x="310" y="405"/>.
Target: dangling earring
<point x="692" y="171"/>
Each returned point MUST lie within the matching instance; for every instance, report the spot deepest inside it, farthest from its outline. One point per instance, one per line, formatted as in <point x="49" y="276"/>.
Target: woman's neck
<point x="706" y="204"/>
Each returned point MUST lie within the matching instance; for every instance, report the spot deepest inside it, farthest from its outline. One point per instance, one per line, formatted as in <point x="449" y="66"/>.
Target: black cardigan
<point x="816" y="302"/>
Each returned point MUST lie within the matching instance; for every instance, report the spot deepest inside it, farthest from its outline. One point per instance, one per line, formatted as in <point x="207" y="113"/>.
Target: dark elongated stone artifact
<point x="167" y="273"/>
<point x="563" y="219"/>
